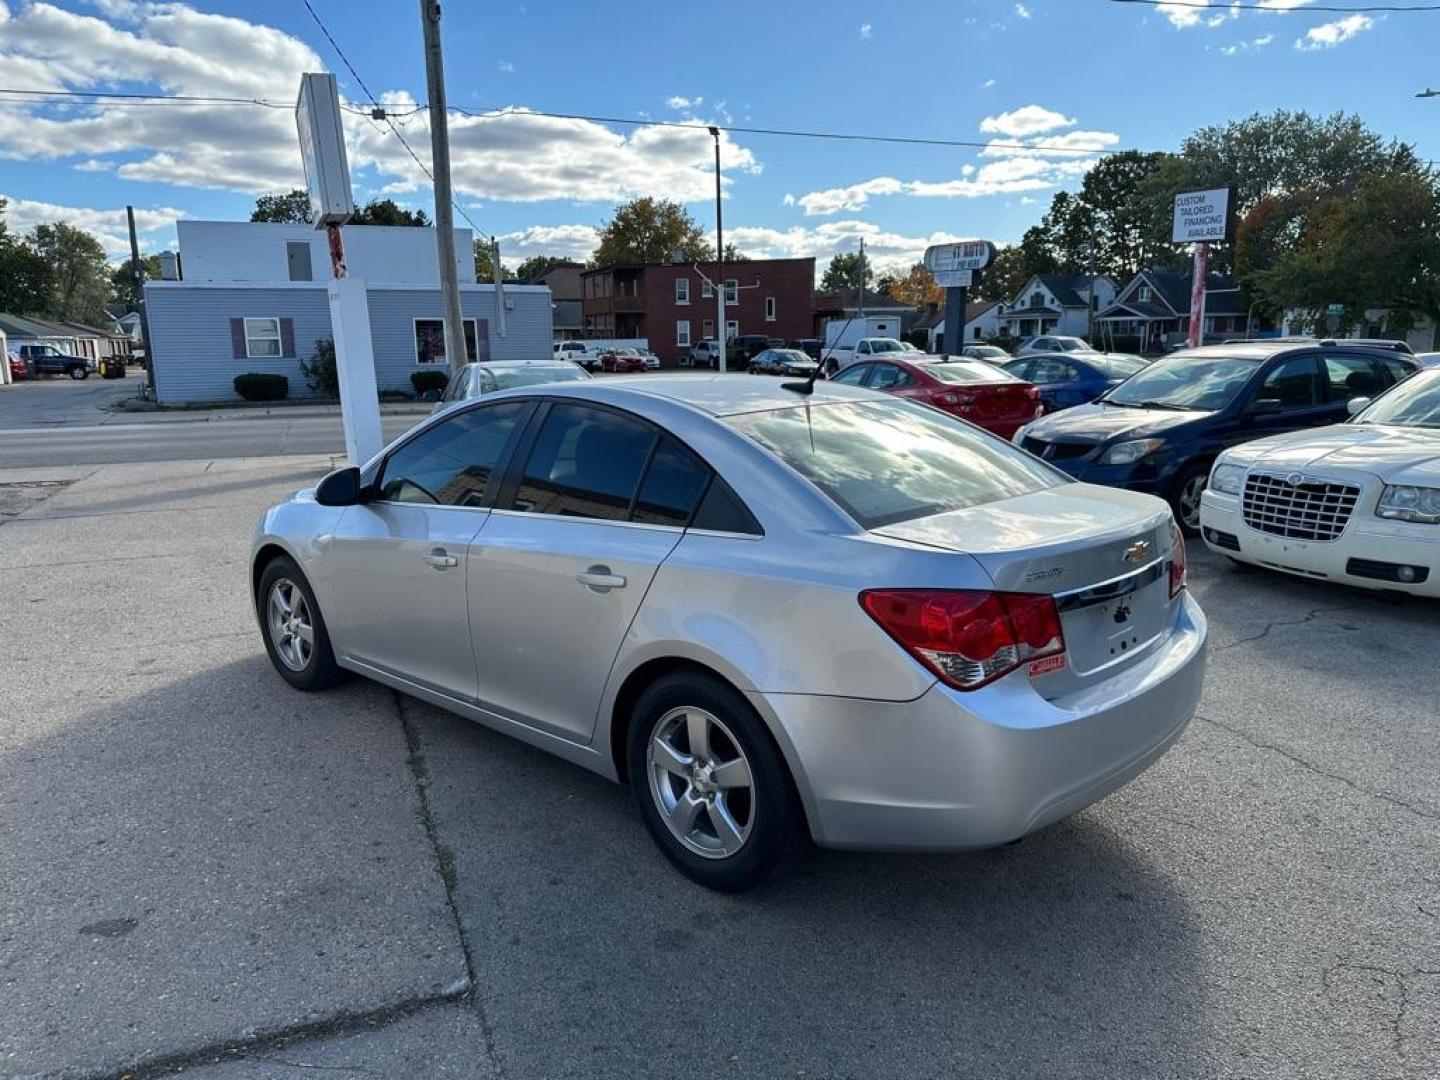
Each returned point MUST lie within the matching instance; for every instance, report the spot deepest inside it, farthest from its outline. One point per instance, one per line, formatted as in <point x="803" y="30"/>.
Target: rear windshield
<point x="1118" y="367"/>
<point x="953" y="372"/>
<point x="889" y="461"/>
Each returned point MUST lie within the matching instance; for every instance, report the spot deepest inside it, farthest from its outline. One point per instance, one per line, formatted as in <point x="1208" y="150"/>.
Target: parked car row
<point x="32" y="361"/>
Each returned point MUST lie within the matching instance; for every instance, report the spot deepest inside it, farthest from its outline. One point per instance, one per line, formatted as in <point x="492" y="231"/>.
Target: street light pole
<point x="440" y="168"/>
<point x="719" y="255"/>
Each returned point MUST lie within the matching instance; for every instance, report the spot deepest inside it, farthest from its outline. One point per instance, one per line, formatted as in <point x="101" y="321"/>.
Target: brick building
<point x="671" y="305"/>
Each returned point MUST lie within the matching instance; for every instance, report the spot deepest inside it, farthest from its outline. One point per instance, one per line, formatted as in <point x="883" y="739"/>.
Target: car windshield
<point x="1119" y="367"/>
<point x="1414" y="403"/>
<point x="885" y="345"/>
<point x="889" y="461"/>
<point x="1205" y="384"/>
<point x="534" y="374"/>
<point x="952" y="371"/>
<point x="791" y="356"/>
<point x="987" y="350"/>
<point x="1070" y="344"/>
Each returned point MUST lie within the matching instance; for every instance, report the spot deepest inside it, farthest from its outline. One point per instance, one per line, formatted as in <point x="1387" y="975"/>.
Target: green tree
<point x="27" y="286"/>
<point x="122" y="280"/>
<point x="536" y="265"/>
<point x="734" y="256"/>
<point x="385" y="212"/>
<point x="81" y="274"/>
<point x="484" y="265"/>
<point x="647" y="230"/>
<point x="844" y="272"/>
<point x="292" y="208"/>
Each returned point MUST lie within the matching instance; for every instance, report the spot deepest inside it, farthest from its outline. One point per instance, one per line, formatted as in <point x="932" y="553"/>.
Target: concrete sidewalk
<point x="195" y="861"/>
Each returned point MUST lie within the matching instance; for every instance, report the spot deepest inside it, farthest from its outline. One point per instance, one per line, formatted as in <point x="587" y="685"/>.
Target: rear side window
<point x="889" y="461"/>
<point x="673" y="484"/>
<point x="585" y="463"/>
<point x="1395" y="369"/>
<point x="855" y="375"/>
<point x="450" y="464"/>
<point x="890" y="377"/>
<point x="1350" y="376"/>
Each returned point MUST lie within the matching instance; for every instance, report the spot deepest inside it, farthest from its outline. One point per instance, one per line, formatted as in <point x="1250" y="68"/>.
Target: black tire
<point x="319" y="671"/>
<point x="78" y="372"/>
<point x="771" y="810"/>
<point x="1187" y="515"/>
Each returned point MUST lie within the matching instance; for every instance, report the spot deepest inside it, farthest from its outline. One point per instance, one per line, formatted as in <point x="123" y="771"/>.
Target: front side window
<point x="889" y="377"/>
<point x="682" y="290"/>
<point x="586" y="462"/>
<point x="262" y="337"/>
<point x="450" y="463"/>
<point x="1292" y="383"/>
<point x="430" y="341"/>
<point x="888" y="461"/>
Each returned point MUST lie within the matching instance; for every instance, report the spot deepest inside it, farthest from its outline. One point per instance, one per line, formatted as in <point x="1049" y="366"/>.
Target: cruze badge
<point x="1137" y="551"/>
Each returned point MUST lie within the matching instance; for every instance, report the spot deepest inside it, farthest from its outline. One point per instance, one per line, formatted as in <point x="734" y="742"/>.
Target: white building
<point x="252" y="297"/>
<point x="1057" y="304"/>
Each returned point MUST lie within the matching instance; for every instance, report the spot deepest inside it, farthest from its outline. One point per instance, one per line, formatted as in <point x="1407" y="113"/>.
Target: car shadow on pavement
<point x="1070" y="953"/>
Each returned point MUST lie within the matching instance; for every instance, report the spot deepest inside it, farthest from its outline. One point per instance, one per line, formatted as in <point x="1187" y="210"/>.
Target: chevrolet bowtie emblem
<point x="1137" y="551"/>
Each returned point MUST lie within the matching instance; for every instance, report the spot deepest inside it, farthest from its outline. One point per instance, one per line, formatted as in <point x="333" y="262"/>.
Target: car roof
<point x="1264" y="350"/>
<point x="714" y="394"/>
<point x="493" y="365"/>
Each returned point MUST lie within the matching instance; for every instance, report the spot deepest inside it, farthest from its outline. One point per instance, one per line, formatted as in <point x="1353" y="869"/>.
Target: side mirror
<point x="1268" y="406"/>
<point x="430" y="395"/>
<point x="1357" y="405"/>
<point x="339" y="488"/>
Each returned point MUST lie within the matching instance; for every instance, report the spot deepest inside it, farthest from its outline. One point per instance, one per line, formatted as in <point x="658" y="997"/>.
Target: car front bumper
<point x="1390" y="543"/>
<point x="952" y="771"/>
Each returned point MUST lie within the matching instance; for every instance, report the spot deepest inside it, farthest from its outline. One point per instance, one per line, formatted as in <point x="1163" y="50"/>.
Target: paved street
<point x="202" y="869"/>
<point x="59" y="422"/>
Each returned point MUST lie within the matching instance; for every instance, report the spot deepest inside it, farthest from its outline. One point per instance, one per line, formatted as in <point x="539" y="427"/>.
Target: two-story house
<point x="254" y="297"/>
<point x="1057" y="304"/>
<point x="1153" y="309"/>
<point x="673" y="305"/>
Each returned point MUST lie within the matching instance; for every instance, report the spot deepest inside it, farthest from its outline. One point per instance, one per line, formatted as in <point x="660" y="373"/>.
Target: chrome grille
<point x="1297" y="508"/>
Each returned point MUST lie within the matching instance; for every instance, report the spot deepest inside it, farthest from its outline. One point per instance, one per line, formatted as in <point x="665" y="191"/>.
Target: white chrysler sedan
<point x="1357" y="503"/>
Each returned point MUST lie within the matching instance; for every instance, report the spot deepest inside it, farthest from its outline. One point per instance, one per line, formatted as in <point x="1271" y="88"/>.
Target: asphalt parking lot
<point x="202" y="870"/>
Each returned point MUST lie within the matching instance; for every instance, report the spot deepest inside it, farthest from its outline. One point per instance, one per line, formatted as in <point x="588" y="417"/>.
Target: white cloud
<point x="987" y="84"/>
<point x="1214" y="13"/>
<point x="1022" y="11"/>
<point x="1026" y="120"/>
<point x="1328" y="35"/>
<point x="788" y="200"/>
<point x="1248" y="46"/>
<point x="107" y="226"/>
<point x="865" y="29"/>
<point x="853" y="197"/>
<point x="568" y="241"/>
<point x="505" y="67"/>
<point x="886" y="250"/>
<point x="514" y="155"/>
<point x="680" y="101"/>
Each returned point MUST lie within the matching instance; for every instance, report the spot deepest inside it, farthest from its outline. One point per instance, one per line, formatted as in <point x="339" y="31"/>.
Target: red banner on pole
<point x="1197" y="294"/>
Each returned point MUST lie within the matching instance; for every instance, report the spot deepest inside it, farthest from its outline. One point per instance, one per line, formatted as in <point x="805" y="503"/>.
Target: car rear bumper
<point x="952" y="771"/>
<point x="1369" y="546"/>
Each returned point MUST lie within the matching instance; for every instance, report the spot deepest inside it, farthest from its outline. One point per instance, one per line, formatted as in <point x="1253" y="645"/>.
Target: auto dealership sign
<point x="1202" y="217"/>
<point x="966" y="257"/>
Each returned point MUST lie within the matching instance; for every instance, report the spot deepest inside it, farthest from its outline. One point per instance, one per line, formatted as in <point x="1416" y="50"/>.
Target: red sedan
<point x="19" y="369"/>
<point x="970" y="389"/>
<point x="622" y="360"/>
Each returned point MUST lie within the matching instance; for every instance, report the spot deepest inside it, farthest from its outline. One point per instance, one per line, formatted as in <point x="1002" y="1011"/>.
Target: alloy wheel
<point x="1190" y="501"/>
<point x="701" y="782"/>
<point x="292" y="630"/>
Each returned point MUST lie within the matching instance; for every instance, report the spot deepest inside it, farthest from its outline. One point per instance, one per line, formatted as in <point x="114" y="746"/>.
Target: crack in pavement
<point x="1396" y="1023"/>
<point x="1311" y="767"/>
<point x="445" y="863"/>
<point x="340" y="1023"/>
<point x="1309" y="617"/>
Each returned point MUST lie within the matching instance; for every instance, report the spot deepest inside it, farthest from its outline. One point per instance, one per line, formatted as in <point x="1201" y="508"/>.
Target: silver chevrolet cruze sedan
<point x="772" y="610"/>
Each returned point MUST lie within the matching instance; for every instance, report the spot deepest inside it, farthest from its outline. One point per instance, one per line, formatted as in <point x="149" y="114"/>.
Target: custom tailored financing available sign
<point x="1203" y="217"/>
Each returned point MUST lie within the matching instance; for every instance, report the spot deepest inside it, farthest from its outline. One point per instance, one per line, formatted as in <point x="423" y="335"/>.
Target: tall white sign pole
<point x="327" y="176"/>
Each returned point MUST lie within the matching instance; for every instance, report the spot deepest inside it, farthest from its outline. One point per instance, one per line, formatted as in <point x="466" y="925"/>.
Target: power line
<point x="386" y="117"/>
<point x="1240" y="5"/>
<point x="130" y="100"/>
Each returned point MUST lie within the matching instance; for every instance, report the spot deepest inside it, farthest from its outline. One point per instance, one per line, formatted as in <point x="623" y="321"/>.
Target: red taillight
<point x="1177" y="560"/>
<point x="968" y="638"/>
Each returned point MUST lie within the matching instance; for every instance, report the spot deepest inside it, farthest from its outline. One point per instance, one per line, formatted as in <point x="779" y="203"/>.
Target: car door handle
<point x="440" y="559"/>
<point x="601" y="579"/>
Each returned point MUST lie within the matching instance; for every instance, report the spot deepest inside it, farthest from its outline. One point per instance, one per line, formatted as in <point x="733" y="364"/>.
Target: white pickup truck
<point x="839" y="357"/>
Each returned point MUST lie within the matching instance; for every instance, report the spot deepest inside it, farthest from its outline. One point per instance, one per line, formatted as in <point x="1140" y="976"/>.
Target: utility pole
<point x="860" y="265"/>
<point x="719" y="255"/>
<point x="440" y="168"/>
<point x="139" y="278"/>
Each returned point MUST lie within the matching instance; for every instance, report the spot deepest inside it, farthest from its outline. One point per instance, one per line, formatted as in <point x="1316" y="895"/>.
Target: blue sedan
<point x="1073" y="378"/>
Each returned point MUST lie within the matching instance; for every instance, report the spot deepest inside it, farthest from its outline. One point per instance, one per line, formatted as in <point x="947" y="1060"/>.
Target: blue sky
<point x="1084" y="74"/>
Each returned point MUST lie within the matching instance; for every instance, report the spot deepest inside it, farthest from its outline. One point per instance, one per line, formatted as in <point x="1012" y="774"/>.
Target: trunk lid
<point x="1001" y="401"/>
<point x="1103" y="553"/>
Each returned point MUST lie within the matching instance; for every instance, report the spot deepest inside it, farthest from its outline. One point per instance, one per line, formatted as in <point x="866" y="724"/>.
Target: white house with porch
<point x="1057" y="304"/>
<point x="1154" y="308"/>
